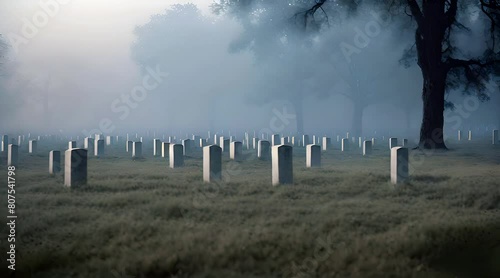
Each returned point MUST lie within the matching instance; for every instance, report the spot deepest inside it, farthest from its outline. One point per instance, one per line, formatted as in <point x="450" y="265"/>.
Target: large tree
<point x="437" y="28"/>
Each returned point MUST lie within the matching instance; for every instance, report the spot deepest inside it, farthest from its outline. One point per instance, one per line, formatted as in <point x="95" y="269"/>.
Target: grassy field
<point x="143" y="219"/>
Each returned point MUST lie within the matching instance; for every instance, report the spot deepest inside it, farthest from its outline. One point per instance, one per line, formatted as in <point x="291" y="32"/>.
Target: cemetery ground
<point x="139" y="218"/>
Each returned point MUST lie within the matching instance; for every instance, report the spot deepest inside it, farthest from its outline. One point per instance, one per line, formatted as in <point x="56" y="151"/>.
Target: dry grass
<point x="142" y="219"/>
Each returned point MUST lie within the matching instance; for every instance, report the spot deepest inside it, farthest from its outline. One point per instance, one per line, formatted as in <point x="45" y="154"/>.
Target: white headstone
<point x="345" y="144"/>
<point x="75" y="167"/>
<point x="176" y="155"/>
<point x="165" y="148"/>
<point x="187" y="146"/>
<point x="137" y="150"/>
<point x="196" y="141"/>
<point x="264" y="150"/>
<point x="327" y="143"/>
<point x="236" y="151"/>
<point x="157" y="147"/>
<point x="247" y="141"/>
<point x="367" y="147"/>
<point x="88" y="143"/>
<point x="224" y="144"/>
<point x="399" y="165"/>
<point x="202" y="142"/>
<point x="212" y="163"/>
<point x="405" y="143"/>
<point x="99" y="147"/>
<point x="284" y="141"/>
<point x="313" y="156"/>
<point x="129" y="145"/>
<point x="32" y="146"/>
<point x="54" y="162"/>
<point x="12" y="155"/>
<point x="109" y="140"/>
<point x="275" y="139"/>
<point x="305" y="140"/>
<point x="282" y="164"/>
<point x="255" y="142"/>
<point x="393" y="142"/>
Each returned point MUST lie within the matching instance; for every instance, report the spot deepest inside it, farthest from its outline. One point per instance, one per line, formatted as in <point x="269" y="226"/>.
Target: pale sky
<point x="74" y="21"/>
<point x="81" y="42"/>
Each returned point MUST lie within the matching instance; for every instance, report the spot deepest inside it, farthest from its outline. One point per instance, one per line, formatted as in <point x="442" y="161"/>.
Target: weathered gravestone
<point x="327" y="142"/>
<point x="202" y="142"/>
<point x="129" y="145"/>
<point x="212" y="163"/>
<point x="393" y="142"/>
<point x="88" y="143"/>
<point x="165" y="147"/>
<point x="157" y="145"/>
<point x="405" y="143"/>
<point x="75" y="167"/>
<point x="187" y="146"/>
<point x="399" y="165"/>
<point x="264" y="150"/>
<point x="137" y="150"/>
<point x="54" y="162"/>
<point x="282" y="165"/>
<point x="275" y="139"/>
<point x="313" y="156"/>
<point x="176" y="155"/>
<point x="12" y="155"/>
<point x="255" y="142"/>
<point x="305" y="140"/>
<point x="99" y="147"/>
<point x="224" y="144"/>
<point x="345" y="144"/>
<point x="284" y="141"/>
<point x="32" y="146"/>
<point x="109" y="140"/>
<point x="236" y="151"/>
<point x="367" y="147"/>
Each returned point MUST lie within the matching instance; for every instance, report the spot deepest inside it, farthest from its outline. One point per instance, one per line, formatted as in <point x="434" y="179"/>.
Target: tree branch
<point x="456" y="63"/>
<point x="416" y="12"/>
<point x="451" y="14"/>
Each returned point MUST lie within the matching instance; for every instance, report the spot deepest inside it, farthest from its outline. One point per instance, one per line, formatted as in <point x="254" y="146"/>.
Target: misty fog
<point x="169" y="66"/>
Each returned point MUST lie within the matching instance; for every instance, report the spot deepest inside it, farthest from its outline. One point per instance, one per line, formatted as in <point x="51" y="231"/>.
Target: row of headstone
<point x="281" y="155"/>
<point x="282" y="163"/>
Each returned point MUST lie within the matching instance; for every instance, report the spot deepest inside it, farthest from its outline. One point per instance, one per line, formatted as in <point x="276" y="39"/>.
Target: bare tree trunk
<point x="431" y="131"/>
<point x="429" y="37"/>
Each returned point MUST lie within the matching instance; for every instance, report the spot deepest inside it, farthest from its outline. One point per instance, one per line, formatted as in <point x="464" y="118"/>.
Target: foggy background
<point x="223" y="74"/>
